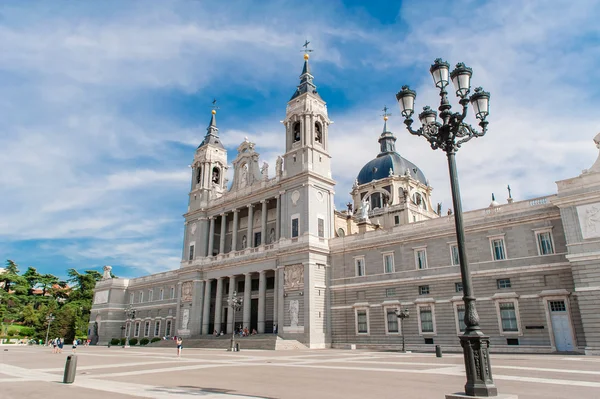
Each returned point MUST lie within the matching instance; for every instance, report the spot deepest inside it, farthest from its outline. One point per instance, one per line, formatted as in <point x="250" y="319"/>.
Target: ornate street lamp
<point x="49" y="319"/>
<point x="235" y="304"/>
<point x="130" y="314"/>
<point x="402" y="314"/>
<point x="448" y="135"/>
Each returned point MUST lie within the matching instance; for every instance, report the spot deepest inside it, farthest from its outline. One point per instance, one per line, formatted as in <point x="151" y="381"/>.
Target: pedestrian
<point x="179" y="346"/>
<point x="55" y="345"/>
<point x="74" y="345"/>
<point x="60" y="345"/>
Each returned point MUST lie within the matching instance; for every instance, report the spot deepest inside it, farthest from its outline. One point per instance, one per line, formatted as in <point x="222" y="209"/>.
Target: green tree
<point x="32" y="277"/>
<point x="47" y="282"/>
<point x="29" y="315"/>
<point x="11" y="278"/>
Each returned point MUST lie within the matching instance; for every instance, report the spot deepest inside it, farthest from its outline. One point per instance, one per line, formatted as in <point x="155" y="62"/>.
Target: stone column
<point x="206" y="310"/>
<point x="218" y="304"/>
<point x="263" y="223"/>
<point x="262" y="293"/>
<point x="196" y="313"/>
<point x="249" y="238"/>
<point x="247" y="300"/>
<point x="223" y="232"/>
<point x="177" y="311"/>
<point x="275" y="299"/>
<point x="234" y="231"/>
<point x="211" y="236"/>
<point x="280" y="301"/>
<point x="230" y="321"/>
<point x="278" y="217"/>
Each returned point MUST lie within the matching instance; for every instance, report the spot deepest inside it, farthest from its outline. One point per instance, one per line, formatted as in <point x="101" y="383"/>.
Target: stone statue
<point x="187" y="291"/>
<point x="279" y="166"/>
<point x="185" y="319"/>
<point x="106" y="275"/>
<point x="244" y="242"/>
<point x="264" y="171"/>
<point x="244" y="176"/>
<point x="355" y="185"/>
<point x="439" y="208"/>
<point x="215" y="176"/>
<point x="364" y="209"/>
<point x="272" y="236"/>
<point x="350" y="207"/>
<point x="596" y="166"/>
<point x="294" y="309"/>
<point x="449" y="211"/>
<point x="391" y="172"/>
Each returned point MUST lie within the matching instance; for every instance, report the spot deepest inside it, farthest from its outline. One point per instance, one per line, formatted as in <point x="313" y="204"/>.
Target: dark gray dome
<point x="379" y="168"/>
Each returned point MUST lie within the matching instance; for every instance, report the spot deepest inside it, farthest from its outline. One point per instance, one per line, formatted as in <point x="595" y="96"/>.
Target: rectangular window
<point x="137" y="329"/>
<point x="498" y="249"/>
<point x="390" y="292"/>
<point x="503" y="283"/>
<point x="396" y="220"/>
<point x="294" y="227"/>
<point x="557" y="306"/>
<point x="168" y="329"/>
<point x="392" y="321"/>
<point x="191" y="252"/>
<point x="388" y="262"/>
<point x="362" y="325"/>
<point x="508" y="316"/>
<point x="141" y="296"/>
<point x="426" y="316"/>
<point x="545" y="246"/>
<point x="455" y="260"/>
<point x="359" y="266"/>
<point x="172" y="292"/>
<point x="458" y="287"/>
<point x="421" y="259"/>
<point x="460" y="315"/>
<point x="150" y="295"/>
<point x="257" y="239"/>
<point x="161" y="294"/>
<point x="321" y="227"/>
<point x="157" y="328"/>
<point x="146" y="329"/>
<point x="131" y="297"/>
<point x="423" y="289"/>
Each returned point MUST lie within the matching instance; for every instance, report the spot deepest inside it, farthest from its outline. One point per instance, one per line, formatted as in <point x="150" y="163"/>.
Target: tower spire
<point x="212" y="131"/>
<point x="387" y="141"/>
<point x="306" y="79"/>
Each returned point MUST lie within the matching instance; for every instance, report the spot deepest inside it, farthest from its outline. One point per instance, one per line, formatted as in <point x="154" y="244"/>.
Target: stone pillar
<point x="278" y="218"/>
<point x="247" y="300"/>
<point x="230" y="321"/>
<point x="249" y="238"/>
<point x="218" y="304"/>
<point x="280" y="301"/>
<point x="177" y="311"/>
<point x="206" y="310"/>
<point x="263" y="223"/>
<point x="275" y="299"/>
<point x="223" y="232"/>
<point x="195" y="324"/>
<point x="211" y="236"/>
<point x="262" y="294"/>
<point x="234" y="231"/>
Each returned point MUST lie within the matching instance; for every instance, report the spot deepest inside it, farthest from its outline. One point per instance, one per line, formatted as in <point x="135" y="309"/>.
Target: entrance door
<point x="254" y="314"/>
<point x="563" y="337"/>
<point x="225" y="327"/>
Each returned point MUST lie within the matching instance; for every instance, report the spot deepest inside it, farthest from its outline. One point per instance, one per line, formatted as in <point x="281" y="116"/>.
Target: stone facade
<point x="334" y="279"/>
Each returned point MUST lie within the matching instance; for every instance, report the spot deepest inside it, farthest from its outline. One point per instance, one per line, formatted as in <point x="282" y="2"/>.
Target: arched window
<point x="296" y="130"/>
<point x="375" y="200"/>
<point x="216" y="175"/>
<point x="198" y="175"/>
<point x="318" y="133"/>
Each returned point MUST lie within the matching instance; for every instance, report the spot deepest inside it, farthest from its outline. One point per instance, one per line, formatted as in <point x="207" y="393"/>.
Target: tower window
<point x="216" y="175"/>
<point x="296" y="129"/>
<point x="198" y="175"/>
<point x="318" y="133"/>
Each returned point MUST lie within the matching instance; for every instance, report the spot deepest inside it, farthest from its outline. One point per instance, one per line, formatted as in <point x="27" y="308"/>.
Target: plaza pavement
<point x="102" y="373"/>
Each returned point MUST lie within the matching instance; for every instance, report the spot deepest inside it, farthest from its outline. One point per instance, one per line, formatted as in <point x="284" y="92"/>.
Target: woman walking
<point x="179" y="346"/>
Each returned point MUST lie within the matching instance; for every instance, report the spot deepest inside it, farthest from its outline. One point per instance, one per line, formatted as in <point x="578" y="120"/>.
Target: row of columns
<point x="250" y="229"/>
<point x="246" y="310"/>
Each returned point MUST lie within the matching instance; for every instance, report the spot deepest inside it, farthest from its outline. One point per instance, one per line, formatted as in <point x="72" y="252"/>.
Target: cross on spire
<point x="385" y="112"/>
<point x="214" y="104"/>
<point x="306" y="49"/>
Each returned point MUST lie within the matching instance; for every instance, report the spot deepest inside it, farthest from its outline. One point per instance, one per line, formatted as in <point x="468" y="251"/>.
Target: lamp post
<point x="235" y="304"/>
<point x="49" y="319"/>
<point x="448" y="135"/>
<point x="402" y="314"/>
<point x="130" y="313"/>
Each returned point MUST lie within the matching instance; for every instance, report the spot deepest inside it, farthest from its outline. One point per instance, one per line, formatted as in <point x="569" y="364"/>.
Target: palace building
<point x="321" y="278"/>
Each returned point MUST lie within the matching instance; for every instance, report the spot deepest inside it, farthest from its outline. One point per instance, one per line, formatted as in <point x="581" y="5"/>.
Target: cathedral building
<point x="320" y="277"/>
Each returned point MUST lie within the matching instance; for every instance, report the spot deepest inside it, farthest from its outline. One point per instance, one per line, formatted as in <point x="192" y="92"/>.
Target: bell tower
<point x="209" y="168"/>
<point x="307" y="127"/>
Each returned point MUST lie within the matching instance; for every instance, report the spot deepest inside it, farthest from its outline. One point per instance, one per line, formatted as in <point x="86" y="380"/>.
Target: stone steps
<point x="262" y="342"/>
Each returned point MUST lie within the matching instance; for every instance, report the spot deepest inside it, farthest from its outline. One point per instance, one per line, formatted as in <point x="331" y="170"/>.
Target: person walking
<point x="179" y="346"/>
<point x="60" y="345"/>
<point x="74" y="345"/>
<point x="55" y="345"/>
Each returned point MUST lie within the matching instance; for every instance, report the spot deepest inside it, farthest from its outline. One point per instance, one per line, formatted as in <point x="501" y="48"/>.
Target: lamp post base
<point x="462" y="395"/>
<point x="477" y="365"/>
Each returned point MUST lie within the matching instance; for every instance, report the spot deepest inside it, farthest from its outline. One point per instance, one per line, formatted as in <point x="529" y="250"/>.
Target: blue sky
<point x="103" y="104"/>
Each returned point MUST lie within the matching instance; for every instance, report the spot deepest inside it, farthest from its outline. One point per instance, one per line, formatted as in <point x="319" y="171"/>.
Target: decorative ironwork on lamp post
<point x="235" y="303"/>
<point x="50" y="318"/>
<point x="402" y="314"/>
<point x="130" y="313"/>
<point x="448" y="135"/>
